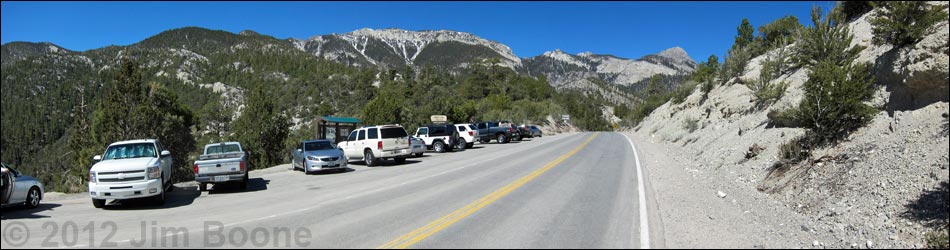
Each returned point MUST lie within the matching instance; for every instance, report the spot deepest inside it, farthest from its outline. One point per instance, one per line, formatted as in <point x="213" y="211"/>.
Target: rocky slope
<point x="884" y="186"/>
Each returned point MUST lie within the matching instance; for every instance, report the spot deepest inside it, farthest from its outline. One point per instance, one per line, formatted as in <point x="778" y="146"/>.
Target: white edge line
<point x="641" y="193"/>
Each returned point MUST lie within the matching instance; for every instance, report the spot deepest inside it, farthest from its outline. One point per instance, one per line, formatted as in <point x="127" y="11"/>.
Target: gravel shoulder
<point x="700" y="209"/>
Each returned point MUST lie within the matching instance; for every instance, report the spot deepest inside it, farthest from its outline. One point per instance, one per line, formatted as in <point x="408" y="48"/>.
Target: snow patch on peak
<point x="398" y="40"/>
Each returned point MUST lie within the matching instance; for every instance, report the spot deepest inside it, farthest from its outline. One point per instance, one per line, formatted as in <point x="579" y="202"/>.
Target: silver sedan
<point x="417" y="145"/>
<point x="319" y="155"/>
<point x="20" y="189"/>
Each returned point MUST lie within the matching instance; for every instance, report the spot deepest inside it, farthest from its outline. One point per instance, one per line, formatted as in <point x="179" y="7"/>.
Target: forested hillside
<point x="192" y="86"/>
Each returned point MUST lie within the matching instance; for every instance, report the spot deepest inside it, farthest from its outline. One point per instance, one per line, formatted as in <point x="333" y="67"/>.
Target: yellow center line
<point x="438" y="225"/>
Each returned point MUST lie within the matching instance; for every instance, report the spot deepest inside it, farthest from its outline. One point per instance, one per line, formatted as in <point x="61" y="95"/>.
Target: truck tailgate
<point x="220" y="166"/>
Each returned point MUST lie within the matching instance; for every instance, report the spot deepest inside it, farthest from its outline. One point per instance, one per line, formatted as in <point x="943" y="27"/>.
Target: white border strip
<point x="641" y="191"/>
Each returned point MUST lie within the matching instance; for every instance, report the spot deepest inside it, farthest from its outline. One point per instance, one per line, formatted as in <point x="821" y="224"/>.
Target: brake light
<point x="242" y="166"/>
<point x="470" y="133"/>
<point x="379" y="145"/>
<point x="196" y="168"/>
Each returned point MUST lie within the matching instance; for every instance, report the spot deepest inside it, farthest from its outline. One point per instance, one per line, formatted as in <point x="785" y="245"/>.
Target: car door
<point x="423" y="133"/>
<point x="297" y="155"/>
<point x="165" y="161"/>
<point x="19" y="187"/>
<point x="349" y="144"/>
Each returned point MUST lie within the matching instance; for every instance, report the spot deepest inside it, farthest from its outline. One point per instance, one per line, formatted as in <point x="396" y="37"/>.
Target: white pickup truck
<point x="129" y="170"/>
<point x="222" y="162"/>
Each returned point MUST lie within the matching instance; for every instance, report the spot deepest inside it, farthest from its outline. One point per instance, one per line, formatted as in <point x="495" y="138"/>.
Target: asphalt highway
<point x="567" y="191"/>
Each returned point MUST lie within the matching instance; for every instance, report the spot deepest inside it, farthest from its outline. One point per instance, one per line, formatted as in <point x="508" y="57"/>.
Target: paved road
<point x="567" y="191"/>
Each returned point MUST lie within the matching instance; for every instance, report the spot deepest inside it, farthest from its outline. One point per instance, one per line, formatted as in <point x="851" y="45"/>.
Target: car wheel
<point x="159" y="199"/>
<point x="33" y="198"/>
<point x="460" y="146"/>
<point x="98" y="203"/>
<point x="438" y="147"/>
<point x="400" y="160"/>
<point x="502" y="138"/>
<point x="369" y="158"/>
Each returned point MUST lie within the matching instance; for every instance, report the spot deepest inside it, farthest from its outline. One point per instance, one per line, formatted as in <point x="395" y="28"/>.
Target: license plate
<point x="220" y="178"/>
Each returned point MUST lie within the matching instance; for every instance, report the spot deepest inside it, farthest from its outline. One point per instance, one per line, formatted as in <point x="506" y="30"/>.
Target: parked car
<point x="469" y="133"/>
<point x="318" y="155"/>
<point x="516" y="134"/>
<point x="417" y="145"/>
<point x="534" y="131"/>
<point x="491" y="130"/>
<point x="220" y="163"/>
<point x="441" y="138"/>
<point x="375" y="143"/>
<point x="20" y="190"/>
<point x="129" y="170"/>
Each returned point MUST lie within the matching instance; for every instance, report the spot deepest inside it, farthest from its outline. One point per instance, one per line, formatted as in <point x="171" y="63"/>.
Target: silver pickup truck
<point x="222" y="162"/>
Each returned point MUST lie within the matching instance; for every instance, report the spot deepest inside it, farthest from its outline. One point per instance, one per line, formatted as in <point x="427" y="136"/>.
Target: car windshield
<point x="219" y="149"/>
<point x="126" y="151"/>
<point x="317" y="145"/>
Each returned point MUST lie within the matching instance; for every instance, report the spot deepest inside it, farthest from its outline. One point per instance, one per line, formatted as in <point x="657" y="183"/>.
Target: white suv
<point x="374" y="143"/>
<point x="129" y="170"/>
<point x="468" y="132"/>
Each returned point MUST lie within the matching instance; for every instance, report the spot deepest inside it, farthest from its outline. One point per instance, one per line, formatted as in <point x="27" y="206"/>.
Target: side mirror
<point x="166" y="153"/>
<point x="97" y="158"/>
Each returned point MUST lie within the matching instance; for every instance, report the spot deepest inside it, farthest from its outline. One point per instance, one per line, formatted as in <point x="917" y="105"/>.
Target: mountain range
<point x="615" y="78"/>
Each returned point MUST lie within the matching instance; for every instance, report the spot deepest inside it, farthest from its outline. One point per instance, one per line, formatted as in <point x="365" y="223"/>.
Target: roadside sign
<point x="566" y="117"/>
<point x="439" y="119"/>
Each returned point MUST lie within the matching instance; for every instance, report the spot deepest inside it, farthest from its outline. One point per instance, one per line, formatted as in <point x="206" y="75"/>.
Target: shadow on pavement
<point x="253" y="185"/>
<point x="21" y="212"/>
<point x="177" y="197"/>
<point x="387" y="163"/>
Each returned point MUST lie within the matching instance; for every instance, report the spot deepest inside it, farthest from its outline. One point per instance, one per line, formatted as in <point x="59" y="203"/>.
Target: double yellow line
<point x="422" y="233"/>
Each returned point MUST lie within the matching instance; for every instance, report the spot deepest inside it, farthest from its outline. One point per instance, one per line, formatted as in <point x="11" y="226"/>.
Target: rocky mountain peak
<point x="675" y="53"/>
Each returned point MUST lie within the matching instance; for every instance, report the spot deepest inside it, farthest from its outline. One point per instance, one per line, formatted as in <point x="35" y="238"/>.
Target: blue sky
<point x="625" y="29"/>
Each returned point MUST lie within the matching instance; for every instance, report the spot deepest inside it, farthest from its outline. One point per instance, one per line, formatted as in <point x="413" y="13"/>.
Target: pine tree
<point x="746" y="34"/>
<point x="114" y="119"/>
<point x="262" y="129"/>
<point x="903" y="23"/>
<point x="837" y="87"/>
